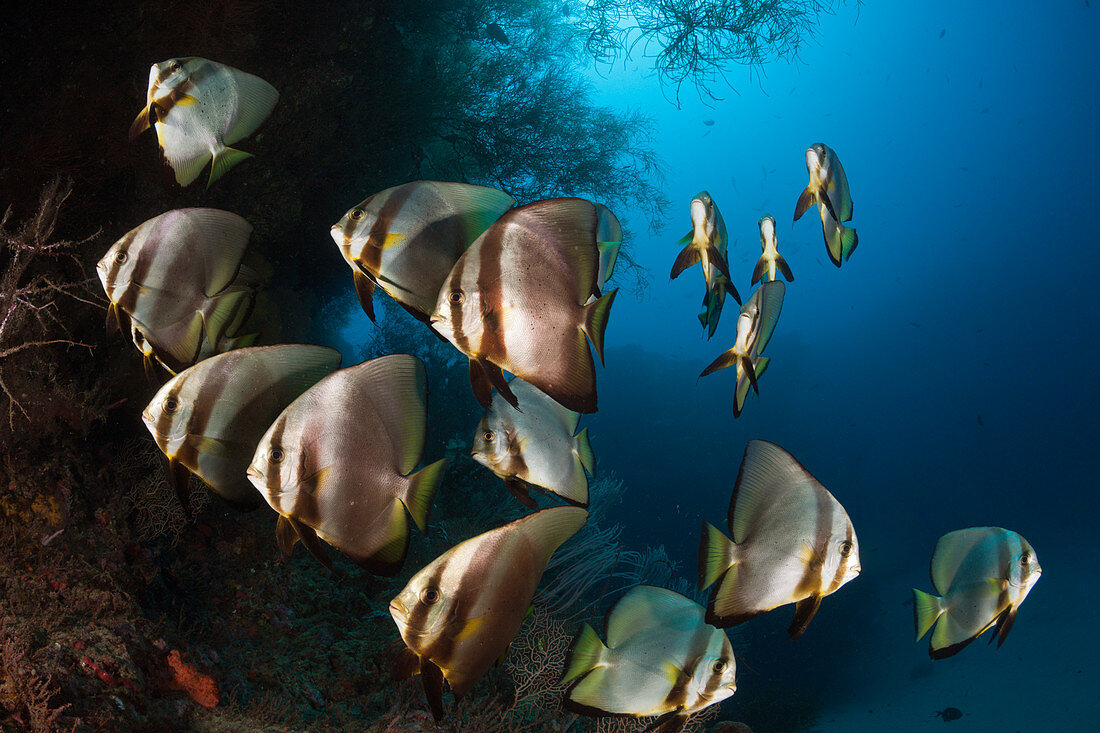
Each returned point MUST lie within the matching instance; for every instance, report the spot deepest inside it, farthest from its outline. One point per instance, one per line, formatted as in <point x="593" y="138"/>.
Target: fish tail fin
<point x="927" y="609"/>
<point x="849" y="240"/>
<point x="224" y="160"/>
<point x="583" y="448"/>
<point x="585" y="654"/>
<point x="595" y="321"/>
<point x="759" y="270"/>
<point x="786" y="269"/>
<point x="688" y="256"/>
<point x="609" y="254"/>
<point x="717" y="554"/>
<point x="421" y="491"/>
<point x="224" y="311"/>
<point x="805" y="201"/>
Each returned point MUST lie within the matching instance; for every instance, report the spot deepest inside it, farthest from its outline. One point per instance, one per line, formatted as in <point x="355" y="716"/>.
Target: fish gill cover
<point x="116" y="613"/>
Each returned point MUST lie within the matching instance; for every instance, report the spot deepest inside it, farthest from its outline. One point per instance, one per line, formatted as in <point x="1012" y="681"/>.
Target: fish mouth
<point x="398" y="611"/>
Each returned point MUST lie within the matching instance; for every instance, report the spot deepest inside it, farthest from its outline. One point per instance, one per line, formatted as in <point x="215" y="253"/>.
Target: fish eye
<point x="845" y="548"/>
<point x="488" y="435"/>
<point x="171" y="404"/>
<point x="1025" y="559"/>
<point x="457" y="296"/>
<point x="430" y="596"/>
<point x="356" y="214"/>
<point x="276" y="455"/>
<point x="176" y="66"/>
<point x="121" y="256"/>
<point x="719" y="666"/>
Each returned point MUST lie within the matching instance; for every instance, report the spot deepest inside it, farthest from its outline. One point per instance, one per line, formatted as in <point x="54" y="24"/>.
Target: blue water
<point x="942" y="378"/>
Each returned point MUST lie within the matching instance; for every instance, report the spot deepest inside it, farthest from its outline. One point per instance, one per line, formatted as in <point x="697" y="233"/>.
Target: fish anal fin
<point x="804" y="612"/>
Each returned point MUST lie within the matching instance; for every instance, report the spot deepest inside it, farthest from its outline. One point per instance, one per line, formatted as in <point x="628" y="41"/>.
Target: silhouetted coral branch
<point x="29" y="292"/>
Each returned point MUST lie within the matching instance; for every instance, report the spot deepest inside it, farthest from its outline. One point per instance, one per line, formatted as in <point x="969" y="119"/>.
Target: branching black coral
<point x="698" y="41"/>
<point x="31" y="292"/>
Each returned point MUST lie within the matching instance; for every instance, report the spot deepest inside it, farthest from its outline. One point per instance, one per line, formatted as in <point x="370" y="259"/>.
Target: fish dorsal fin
<point x="568" y="227"/>
<point x="952" y="551"/>
<point x="647" y="609"/>
<point x="771" y="304"/>
<point x="769" y="476"/>
<point x="546" y="530"/>
<point x="255" y="100"/>
<point x="217" y="240"/>
<point x="396" y="388"/>
<point x="293" y="367"/>
<point x="527" y="394"/>
<point x="477" y="207"/>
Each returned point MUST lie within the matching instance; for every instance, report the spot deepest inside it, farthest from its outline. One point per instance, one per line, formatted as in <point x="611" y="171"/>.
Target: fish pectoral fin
<point x="432" y="678"/>
<point x="315" y="481"/>
<point x="805" y="201"/>
<point x="719" y="260"/>
<point x="406" y="664"/>
<point x="804" y="612"/>
<point x="465" y="630"/>
<point x="519" y="490"/>
<point x="392" y="239"/>
<point x="672" y="673"/>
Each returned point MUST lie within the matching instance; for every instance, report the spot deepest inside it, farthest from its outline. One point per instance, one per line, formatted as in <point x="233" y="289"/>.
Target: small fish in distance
<point x="770" y="260"/>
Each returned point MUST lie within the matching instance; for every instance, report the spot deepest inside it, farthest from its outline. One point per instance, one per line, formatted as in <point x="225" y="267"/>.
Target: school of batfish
<point x="337" y="453"/>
